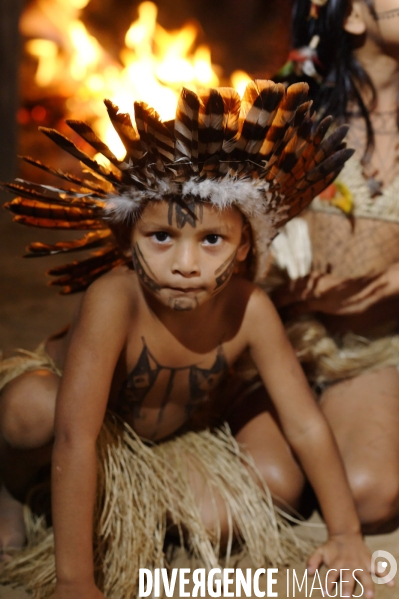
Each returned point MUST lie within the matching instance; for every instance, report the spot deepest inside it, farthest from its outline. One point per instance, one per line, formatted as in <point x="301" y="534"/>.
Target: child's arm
<point x="310" y="437"/>
<point x="81" y="403"/>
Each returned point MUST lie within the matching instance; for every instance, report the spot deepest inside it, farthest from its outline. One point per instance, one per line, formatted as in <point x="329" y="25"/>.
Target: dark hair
<point x="342" y="75"/>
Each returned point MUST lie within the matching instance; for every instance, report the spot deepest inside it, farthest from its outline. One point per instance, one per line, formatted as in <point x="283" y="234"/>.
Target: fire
<point x="239" y="80"/>
<point x="86" y="51"/>
<point x="154" y="64"/>
<point x="46" y="52"/>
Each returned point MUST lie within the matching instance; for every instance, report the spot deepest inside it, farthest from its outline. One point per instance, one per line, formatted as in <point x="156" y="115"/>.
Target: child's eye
<point x="212" y="239"/>
<point x="161" y="236"/>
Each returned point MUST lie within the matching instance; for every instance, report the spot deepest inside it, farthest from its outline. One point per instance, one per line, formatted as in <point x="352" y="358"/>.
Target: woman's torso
<point x="363" y="243"/>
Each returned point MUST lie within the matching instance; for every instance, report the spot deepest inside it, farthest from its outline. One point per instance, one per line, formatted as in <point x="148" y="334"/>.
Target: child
<point x="343" y="307"/>
<point x="203" y="198"/>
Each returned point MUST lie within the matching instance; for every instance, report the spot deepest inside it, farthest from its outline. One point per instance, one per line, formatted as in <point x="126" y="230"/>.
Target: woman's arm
<point x="94" y="349"/>
<point x="326" y="293"/>
<point x="310" y="437"/>
<point x="383" y="286"/>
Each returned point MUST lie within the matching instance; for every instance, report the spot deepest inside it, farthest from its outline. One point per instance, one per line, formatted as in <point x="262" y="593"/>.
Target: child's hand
<point x="77" y="591"/>
<point x="344" y="552"/>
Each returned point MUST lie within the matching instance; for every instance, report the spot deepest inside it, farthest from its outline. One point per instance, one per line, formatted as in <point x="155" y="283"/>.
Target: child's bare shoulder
<point x="248" y="302"/>
<point x="254" y="297"/>
<point x="258" y="306"/>
<point x="260" y="300"/>
<point x="114" y="296"/>
<point x="119" y="286"/>
<point x="262" y="322"/>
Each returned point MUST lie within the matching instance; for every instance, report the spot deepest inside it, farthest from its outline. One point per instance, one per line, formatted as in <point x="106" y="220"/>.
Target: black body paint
<point x="203" y="380"/>
<point x="138" y="263"/>
<point x="185" y="211"/>
<point x="143" y="377"/>
<point x="225" y="270"/>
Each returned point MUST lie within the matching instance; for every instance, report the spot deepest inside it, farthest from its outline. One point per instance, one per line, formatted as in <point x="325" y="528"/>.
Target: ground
<point x="29" y="311"/>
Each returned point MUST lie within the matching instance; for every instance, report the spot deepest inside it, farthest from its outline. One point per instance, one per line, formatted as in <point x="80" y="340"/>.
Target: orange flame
<point x="154" y="64"/>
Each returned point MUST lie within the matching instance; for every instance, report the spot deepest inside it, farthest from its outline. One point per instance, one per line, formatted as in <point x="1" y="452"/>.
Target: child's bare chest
<point x="165" y="383"/>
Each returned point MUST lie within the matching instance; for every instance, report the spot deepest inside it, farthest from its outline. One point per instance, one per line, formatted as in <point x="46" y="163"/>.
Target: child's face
<point x="185" y="254"/>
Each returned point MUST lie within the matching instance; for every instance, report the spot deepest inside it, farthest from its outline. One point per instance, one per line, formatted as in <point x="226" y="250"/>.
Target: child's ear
<point x="354" y="22"/>
<point x="245" y="243"/>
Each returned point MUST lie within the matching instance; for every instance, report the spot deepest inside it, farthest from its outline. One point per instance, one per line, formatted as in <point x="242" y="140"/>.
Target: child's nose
<point x="185" y="260"/>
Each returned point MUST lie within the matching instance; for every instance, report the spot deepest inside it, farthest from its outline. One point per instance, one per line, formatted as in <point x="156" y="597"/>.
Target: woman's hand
<point x="329" y="294"/>
<point x="382" y="287"/>
<point x="77" y="591"/>
<point x="349" y="553"/>
<point x="319" y="292"/>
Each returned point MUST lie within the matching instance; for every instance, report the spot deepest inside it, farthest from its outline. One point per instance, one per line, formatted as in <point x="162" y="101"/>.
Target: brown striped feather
<point x="231" y="114"/>
<point x="326" y="147"/>
<point x="78" y="275"/>
<point x="141" y="113"/>
<point x="210" y="124"/>
<point x="68" y="146"/>
<point x="81" y="267"/>
<point x="45" y="223"/>
<point x="87" y="133"/>
<point x="186" y="126"/>
<point x="258" y="108"/>
<point x="162" y="142"/>
<point x="294" y="96"/>
<point x="101" y="188"/>
<point x="154" y="135"/>
<point x="122" y="124"/>
<point x="300" y="201"/>
<point x="32" y="191"/>
<point x="310" y="147"/>
<point x="77" y="284"/>
<point x="301" y="118"/>
<point x="89" y="241"/>
<point x="46" y="210"/>
<point x="332" y="164"/>
<point x="316" y="139"/>
<point x="290" y="154"/>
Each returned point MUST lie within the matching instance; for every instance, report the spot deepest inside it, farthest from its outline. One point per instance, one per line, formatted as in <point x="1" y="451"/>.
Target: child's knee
<point x="215" y="518"/>
<point x="27" y="408"/>
<point x="286" y="482"/>
<point x="212" y="508"/>
<point x="376" y="495"/>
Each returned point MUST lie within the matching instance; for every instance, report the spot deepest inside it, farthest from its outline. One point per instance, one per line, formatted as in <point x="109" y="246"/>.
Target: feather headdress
<point x="262" y="153"/>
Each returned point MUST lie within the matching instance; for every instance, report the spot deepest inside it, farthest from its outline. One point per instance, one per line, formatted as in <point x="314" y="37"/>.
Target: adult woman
<point x="342" y="302"/>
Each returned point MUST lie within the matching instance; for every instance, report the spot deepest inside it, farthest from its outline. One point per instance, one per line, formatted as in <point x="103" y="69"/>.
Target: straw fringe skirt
<point x="328" y="359"/>
<point x="142" y="489"/>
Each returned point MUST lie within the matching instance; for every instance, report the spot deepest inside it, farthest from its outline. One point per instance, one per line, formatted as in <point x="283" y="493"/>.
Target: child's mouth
<point x="185" y="289"/>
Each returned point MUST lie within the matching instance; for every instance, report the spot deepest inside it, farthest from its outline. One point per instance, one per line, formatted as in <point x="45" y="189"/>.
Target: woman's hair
<point x="342" y="76"/>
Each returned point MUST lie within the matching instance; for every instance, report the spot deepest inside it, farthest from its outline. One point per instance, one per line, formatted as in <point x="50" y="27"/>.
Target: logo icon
<point x="382" y="561"/>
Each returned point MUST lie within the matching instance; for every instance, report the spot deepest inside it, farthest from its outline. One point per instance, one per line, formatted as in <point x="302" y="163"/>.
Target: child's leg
<point x="364" y="415"/>
<point x="27" y="405"/>
<point x="254" y="425"/>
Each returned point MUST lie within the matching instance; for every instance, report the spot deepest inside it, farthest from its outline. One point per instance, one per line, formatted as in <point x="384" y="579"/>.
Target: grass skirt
<point x="142" y="490"/>
<point x="328" y="359"/>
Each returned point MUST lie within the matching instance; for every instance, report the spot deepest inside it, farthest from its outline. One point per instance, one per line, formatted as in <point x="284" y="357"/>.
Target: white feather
<point x="292" y="249"/>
